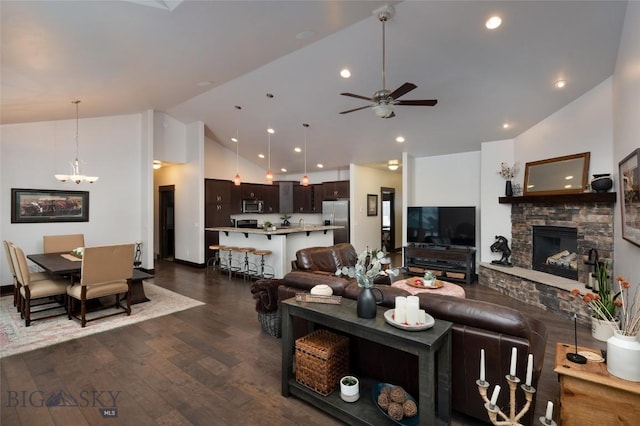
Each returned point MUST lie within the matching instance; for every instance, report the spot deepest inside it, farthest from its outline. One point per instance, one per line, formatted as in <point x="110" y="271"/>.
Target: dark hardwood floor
<point x="208" y="365"/>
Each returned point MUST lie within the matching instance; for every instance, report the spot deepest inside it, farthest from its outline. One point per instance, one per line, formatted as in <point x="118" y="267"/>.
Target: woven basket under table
<point x="322" y="358"/>
<point x="271" y="322"/>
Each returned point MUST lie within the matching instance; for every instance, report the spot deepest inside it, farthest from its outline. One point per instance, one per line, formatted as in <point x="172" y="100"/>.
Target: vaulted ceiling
<point x="197" y="60"/>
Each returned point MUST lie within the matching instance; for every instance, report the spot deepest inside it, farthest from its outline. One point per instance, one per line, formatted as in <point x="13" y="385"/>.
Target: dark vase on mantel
<point x="508" y="190"/>
<point x="601" y="182"/>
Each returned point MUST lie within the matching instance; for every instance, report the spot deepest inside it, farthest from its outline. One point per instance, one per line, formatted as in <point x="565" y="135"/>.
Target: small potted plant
<point x="267" y="225"/>
<point x="349" y="389"/>
<point x="429" y="279"/>
<point x="285" y="219"/>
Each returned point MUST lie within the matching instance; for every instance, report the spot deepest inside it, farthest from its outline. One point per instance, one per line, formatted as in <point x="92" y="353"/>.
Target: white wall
<point x="110" y="147"/>
<point x="585" y="124"/>
<point x="495" y="218"/>
<point x="626" y="107"/>
<point x="366" y="231"/>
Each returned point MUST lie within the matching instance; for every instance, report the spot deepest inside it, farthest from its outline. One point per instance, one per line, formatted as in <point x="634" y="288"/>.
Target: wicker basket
<point x="322" y="358"/>
<point x="271" y="322"/>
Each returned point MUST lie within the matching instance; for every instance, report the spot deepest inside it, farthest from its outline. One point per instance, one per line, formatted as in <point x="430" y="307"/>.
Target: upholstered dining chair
<point x="36" y="290"/>
<point x="33" y="276"/>
<point x="105" y="272"/>
<point x="62" y="243"/>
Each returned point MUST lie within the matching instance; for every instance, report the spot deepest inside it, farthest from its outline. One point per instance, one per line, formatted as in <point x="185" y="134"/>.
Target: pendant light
<point x="236" y="179"/>
<point x="305" y="178"/>
<point x="269" y="174"/>
<point x="270" y="131"/>
<point x="75" y="175"/>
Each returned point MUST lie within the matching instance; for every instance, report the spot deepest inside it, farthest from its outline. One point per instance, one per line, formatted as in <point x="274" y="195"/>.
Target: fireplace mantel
<point x="587" y="197"/>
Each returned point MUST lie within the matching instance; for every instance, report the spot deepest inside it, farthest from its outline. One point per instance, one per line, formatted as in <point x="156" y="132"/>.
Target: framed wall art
<point x="49" y="205"/>
<point x="372" y="205"/>
<point x="629" y="177"/>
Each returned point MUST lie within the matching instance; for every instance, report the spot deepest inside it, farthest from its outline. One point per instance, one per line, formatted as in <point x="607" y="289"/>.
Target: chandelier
<point x="75" y="175"/>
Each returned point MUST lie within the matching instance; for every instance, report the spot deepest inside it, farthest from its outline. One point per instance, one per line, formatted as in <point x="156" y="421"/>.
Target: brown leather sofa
<point x="476" y="325"/>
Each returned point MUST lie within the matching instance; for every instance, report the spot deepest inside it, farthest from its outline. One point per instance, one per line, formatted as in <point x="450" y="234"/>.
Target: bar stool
<point x="246" y="269"/>
<point x="214" y="262"/>
<point x="262" y="254"/>
<point x="228" y="264"/>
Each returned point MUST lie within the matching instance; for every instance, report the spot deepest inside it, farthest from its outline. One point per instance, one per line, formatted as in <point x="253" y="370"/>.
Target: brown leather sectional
<point x="476" y="325"/>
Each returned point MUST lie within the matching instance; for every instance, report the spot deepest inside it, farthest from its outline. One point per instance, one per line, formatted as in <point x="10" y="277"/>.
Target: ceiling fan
<point x="384" y="100"/>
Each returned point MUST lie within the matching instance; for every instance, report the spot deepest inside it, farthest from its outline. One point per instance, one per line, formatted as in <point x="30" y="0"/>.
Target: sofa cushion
<point x="305" y="281"/>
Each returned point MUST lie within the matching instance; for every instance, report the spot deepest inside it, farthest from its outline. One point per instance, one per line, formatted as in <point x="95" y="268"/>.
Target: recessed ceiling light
<point x="320" y="165"/>
<point x="283" y="170"/>
<point x="270" y="130"/>
<point x="393" y="165"/>
<point x="297" y="149"/>
<point x="260" y="155"/>
<point x="506" y="125"/>
<point x="345" y="73"/>
<point x="400" y="139"/>
<point x="560" y="84"/>
<point x="305" y="35"/>
<point x="233" y="139"/>
<point x="493" y="22"/>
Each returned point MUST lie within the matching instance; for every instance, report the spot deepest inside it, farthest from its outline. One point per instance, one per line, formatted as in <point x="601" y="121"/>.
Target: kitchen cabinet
<point x="302" y="200"/>
<point x="271" y="198"/>
<point x="252" y="191"/>
<point x="217" y="208"/>
<point x="317" y="194"/>
<point x="336" y="189"/>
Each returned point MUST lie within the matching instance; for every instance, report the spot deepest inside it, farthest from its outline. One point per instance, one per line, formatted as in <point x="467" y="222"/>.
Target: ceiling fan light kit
<point x="383" y="100"/>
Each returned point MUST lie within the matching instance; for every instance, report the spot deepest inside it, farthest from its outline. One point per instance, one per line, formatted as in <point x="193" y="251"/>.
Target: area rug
<point x="16" y="338"/>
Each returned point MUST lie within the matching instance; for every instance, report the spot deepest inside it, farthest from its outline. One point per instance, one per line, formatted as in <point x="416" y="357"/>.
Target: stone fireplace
<point x="564" y="224"/>
<point x="555" y="251"/>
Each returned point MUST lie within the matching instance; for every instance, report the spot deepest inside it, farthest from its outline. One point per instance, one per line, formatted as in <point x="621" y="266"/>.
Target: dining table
<point x="69" y="264"/>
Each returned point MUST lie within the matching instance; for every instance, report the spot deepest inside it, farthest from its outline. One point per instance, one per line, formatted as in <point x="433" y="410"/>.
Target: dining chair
<point x="106" y="271"/>
<point x="62" y="243"/>
<point x="42" y="289"/>
<point x="33" y="276"/>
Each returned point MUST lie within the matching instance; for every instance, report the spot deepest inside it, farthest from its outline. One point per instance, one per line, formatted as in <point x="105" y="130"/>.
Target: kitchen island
<point x="282" y="242"/>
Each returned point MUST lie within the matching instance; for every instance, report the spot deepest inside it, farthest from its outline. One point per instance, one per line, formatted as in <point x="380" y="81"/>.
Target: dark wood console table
<point x="432" y="348"/>
<point x="453" y="263"/>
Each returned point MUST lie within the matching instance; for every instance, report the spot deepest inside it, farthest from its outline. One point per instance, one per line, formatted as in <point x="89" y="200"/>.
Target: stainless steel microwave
<point x="252" y="206"/>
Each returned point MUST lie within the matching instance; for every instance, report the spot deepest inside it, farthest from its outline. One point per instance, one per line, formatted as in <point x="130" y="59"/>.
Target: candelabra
<point x="137" y="259"/>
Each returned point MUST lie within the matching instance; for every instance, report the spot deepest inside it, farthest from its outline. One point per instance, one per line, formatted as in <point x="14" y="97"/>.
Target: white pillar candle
<point x="494" y="395"/>
<point x="413" y="306"/>
<point x="549" y="415"/>
<point x="482" y="365"/>
<point x="529" y="370"/>
<point x="514" y="357"/>
<point x="400" y="313"/>
<point x="422" y="316"/>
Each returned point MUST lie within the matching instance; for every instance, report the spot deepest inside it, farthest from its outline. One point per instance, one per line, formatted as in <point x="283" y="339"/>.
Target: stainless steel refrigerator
<point x="337" y="213"/>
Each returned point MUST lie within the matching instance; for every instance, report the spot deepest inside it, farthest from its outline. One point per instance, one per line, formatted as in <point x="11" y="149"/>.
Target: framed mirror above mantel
<point x="554" y="176"/>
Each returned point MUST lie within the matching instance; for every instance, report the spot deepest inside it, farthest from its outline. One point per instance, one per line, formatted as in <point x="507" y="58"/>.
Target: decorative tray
<point x="388" y="317"/>
<point x="419" y="283"/>
<point x="316" y="298"/>
<point x="406" y="421"/>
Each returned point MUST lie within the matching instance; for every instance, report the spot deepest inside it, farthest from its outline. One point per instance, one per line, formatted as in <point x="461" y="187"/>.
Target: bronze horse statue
<point x="501" y="245"/>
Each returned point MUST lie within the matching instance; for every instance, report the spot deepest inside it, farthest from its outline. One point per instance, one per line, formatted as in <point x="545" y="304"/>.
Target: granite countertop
<point x="279" y="231"/>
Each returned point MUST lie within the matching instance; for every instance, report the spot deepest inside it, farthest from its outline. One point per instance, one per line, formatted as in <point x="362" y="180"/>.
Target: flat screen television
<point x="443" y="226"/>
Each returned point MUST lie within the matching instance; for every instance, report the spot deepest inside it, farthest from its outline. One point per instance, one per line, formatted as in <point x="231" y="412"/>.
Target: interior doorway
<point x="388" y="217"/>
<point x="167" y="222"/>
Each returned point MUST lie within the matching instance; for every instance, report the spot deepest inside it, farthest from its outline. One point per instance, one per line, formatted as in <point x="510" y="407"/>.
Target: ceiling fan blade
<point x="402" y="90"/>
<point x="423" y="102"/>
<point x="356" y="96"/>
<point x="355" y="109"/>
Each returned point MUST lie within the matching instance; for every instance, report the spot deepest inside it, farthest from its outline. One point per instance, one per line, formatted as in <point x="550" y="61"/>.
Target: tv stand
<point x="447" y="262"/>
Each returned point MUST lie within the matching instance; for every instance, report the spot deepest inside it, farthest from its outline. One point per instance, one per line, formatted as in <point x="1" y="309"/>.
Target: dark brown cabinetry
<point x="252" y="191"/>
<point x="336" y="189"/>
<point x="217" y="208"/>
<point x="448" y="263"/>
<point x="271" y="198"/>
<point x="302" y="199"/>
<point x="317" y="193"/>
